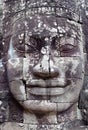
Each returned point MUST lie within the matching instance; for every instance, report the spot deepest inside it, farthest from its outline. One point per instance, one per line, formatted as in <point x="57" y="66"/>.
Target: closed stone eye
<point x="67" y="48"/>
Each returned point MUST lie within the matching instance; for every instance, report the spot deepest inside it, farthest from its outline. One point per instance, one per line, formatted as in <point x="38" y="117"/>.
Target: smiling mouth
<point x="47" y="91"/>
<point x="47" y="87"/>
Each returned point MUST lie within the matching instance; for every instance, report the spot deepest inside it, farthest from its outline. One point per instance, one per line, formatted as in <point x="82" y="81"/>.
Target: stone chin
<point x="44" y="106"/>
<point x="40" y="106"/>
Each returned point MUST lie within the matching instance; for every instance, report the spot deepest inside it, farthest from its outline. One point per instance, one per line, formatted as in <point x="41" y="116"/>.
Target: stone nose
<point x="46" y="68"/>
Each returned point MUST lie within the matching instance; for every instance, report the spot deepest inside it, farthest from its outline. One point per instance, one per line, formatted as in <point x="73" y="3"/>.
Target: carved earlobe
<point x="11" y="50"/>
<point x="83" y="100"/>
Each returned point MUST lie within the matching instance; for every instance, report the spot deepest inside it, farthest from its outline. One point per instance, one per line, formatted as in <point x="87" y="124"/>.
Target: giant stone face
<point x="45" y="66"/>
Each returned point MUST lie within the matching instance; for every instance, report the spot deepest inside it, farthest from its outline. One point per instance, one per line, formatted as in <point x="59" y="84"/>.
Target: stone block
<point x="85" y="83"/>
<point x="68" y="115"/>
<point x="4" y="86"/>
<point x="47" y="118"/>
<point x="13" y="7"/>
<point x="4" y="91"/>
<point x="75" y="69"/>
<point x="30" y="118"/>
<point x="15" y="111"/>
<point x="15" y="69"/>
<point x="45" y="127"/>
<point x="14" y="126"/>
<point x="26" y="72"/>
<point x="75" y="125"/>
<point x="83" y="100"/>
<point x="4" y="111"/>
<point x="77" y="128"/>
<point x="86" y="68"/>
<point x="5" y="95"/>
<point x="17" y="88"/>
<point x="69" y="94"/>
<point x="0" y="127"/>
<point x="38" y="106"/>
<point x="3" y="77"/>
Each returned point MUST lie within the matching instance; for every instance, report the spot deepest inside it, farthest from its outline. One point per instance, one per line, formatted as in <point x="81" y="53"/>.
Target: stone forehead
<point x="44" y="22"/>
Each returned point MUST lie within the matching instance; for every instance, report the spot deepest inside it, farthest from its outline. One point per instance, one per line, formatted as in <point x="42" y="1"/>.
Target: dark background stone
<point x="83" y="97"/>
<point x="4" y="111"/>
<point x="16" y="111"/>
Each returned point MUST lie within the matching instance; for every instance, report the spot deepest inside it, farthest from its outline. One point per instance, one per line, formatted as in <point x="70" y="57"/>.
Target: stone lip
<point x="47" y="91"/>
<point x="48" y="83"/>
<point x="44" y="106"/>
<point x="47" y="87"/>
<point x="39" y="106"/>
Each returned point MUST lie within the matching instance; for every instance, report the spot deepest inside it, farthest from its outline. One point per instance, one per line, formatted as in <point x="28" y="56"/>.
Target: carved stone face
<point x="45" y="66"/>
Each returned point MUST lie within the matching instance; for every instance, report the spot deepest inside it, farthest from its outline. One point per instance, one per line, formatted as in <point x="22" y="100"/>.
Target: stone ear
<point x="83" y="100"/>
<point x="1" y="45"/>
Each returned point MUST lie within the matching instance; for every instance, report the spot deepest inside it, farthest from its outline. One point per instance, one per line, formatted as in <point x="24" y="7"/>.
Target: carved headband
<point x="70" y="9"/>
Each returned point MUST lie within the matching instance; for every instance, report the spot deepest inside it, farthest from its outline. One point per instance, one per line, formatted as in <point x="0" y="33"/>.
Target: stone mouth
<point x="47" y="87"/>
<point x="57" y="83"/>
<point x="48" y="91"/>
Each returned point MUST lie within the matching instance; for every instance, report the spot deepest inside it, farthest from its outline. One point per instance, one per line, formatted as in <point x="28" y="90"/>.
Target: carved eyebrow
<point x="68" y="44"/>
<point x="74" y="43"/>
<point x="64" y="35"/>
<point x="70" y="32"/>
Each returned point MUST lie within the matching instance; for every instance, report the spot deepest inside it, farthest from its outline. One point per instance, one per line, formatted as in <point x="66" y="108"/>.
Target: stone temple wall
<point x="12" y="114"/>
<point x="1" y="8"/>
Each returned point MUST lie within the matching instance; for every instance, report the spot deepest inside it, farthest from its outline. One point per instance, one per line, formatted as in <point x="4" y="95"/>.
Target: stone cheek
<point x="18" y="90"/>
<point x="15" y="69"/>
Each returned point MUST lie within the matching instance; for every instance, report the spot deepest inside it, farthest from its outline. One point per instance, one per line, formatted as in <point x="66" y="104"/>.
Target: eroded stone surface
<point x="38" y="118"/>
<point x="49" y="70"/>
<point x="18" y="90"/>
<point x="44" y="58"/>
<point x="75" y="125"/>
<point x="44" y="127"/>
<point x="15" y="111"/>
<point x="83" y="100"/>
<point x="4" y="111"/>
<point x="14" y="126"/>
<point x="15" y="72"/>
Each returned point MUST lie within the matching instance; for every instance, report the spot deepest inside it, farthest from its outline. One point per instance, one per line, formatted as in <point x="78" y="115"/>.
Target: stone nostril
<point x="53" y="72"/>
